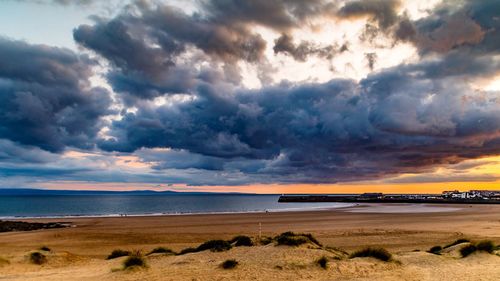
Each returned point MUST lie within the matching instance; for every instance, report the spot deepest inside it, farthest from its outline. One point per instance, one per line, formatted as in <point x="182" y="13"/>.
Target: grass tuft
<point x="481" y="246"/>
<point x="45" y="248"/>
<point x="458" y="241"/>
<point x="161" y="250"/>
<point x="467" y="250"/>
<point x="266" y="240"/>
<point x="38" y="258"/>
<point x="378" y="253"/>
<point x="118" y="253"/>
<point x="322" y="262"/>
<point x="295" y="239"/>
<point x="229" y="264"/>
<point x="134" y="260"/>
<point x="435" y="250"/>
<point x="241" y="240"/>
<point x="187" y="251"/>
<point x="486" y="246"/>
<point x="214" y="246"/>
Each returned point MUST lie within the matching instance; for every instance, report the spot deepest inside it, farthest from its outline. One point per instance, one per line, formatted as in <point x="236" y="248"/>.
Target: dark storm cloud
<point x="381" y="11"/>
<point x="45" y="97"/>
<point x="474" y="27"/>
<point x="408" y="118"/>
<point x="405" y="119"/>
<point x="326" y="132"/>
<point x="300" y="52"/>
<point x="442" y="34"/>
<point x="281" y="15"/>
<point x="143" y="43"/>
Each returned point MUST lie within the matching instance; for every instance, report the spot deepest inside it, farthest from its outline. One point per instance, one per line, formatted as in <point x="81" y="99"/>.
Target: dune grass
<point x="266" y="240"/>
<point x="135" y="260"/>
<point x="187" y="251"/>
<point x="435" y="250"/>
<point x="45" y="248"/>
<point x="118" y="253"/>
<point x="458" y="241"/>
<point x="481" y="246"/>
<point x="286" y="238"/>
<point x="161" y="250"/>
<point x="295" y="239"/>
<point x="229" y="264"/>
<point x="241" y="240"/>
<point x="378" y="253"/>
<point x="322" y="262"/>
<point x="37" y="258"/>
<point x="212" y="245"/>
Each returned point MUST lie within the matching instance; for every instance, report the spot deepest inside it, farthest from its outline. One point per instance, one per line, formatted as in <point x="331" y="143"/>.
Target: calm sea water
<point x="115" y="205"/>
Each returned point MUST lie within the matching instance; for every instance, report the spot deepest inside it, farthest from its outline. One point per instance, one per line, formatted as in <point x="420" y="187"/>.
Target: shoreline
<point x="287" y="210"/>
<point x="348" y="207"/>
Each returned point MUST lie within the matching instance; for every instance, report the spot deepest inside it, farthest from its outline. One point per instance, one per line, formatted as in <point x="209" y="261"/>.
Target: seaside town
<point x="453" y="196"/>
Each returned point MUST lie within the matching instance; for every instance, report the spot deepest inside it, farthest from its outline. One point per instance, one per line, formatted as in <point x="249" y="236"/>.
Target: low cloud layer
<point x="186" y="115"/>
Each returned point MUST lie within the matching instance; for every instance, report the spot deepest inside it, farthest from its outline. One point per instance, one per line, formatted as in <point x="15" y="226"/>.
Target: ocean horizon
<point x="113" y="205"/>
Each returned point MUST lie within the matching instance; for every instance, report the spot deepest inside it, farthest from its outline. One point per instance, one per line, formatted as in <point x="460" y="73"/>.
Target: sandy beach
<point x="407" y="231"/>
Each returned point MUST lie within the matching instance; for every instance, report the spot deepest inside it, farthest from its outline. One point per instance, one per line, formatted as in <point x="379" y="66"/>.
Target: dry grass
<point x="378" y="253"/>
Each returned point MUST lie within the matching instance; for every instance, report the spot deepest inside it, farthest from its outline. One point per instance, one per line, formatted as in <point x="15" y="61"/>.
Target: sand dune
<point x="79" y="253"/>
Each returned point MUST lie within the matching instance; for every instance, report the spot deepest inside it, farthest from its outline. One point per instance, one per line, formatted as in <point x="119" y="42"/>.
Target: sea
<point x="56" y="206"/>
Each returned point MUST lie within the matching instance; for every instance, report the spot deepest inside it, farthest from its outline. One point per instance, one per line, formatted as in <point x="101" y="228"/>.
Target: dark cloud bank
<point x="46" y="99"/>
<point x="403" y="119"/>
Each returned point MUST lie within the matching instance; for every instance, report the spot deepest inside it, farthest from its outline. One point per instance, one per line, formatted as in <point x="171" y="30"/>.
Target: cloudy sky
<point x="253" y="96"/>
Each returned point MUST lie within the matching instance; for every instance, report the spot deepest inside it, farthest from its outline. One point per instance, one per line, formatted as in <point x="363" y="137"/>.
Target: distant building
<point x="372" y="195"/>
<point x="472" y="194"/>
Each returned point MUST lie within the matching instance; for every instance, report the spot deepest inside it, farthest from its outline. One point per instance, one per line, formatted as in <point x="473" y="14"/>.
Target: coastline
<point x="347" y="207"/>
<point x="78" y="253"/>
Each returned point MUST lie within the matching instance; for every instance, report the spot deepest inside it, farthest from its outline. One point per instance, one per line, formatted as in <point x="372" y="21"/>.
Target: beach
<point x="79" y="252"/>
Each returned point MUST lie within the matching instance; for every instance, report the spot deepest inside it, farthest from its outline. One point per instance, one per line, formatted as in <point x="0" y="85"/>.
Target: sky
<point x="285" y="96"/>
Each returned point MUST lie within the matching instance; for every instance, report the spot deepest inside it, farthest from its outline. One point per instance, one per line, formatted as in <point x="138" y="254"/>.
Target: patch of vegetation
<point x="214" y="246"/>
<point x="378" y="253"/>
<point x="241" y="240"/>
<point x="6" y="226"/>
<point x="486" y="246"/>
<point x="458" y="241"/>
<point x="266" y="240"/>
<point x="38" y="258"/>
<point x="135" y="260"/>
<point x="295" y="239"/>
<point x="290" y="240"/>
<point x="161" y="250"/>
<point x="467" y="250"/>
<point x="435" y="250"/>
<point x="322" y="262"/>
<point x="229" y="264"/>
<point x="45" y="248"/>
<point x="481" y="246"/>
<point x="187" y="251"/>
<point x="118" y="253"/>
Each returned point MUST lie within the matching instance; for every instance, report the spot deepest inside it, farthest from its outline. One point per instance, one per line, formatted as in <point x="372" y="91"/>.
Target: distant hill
<point x="42" y="192"/>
